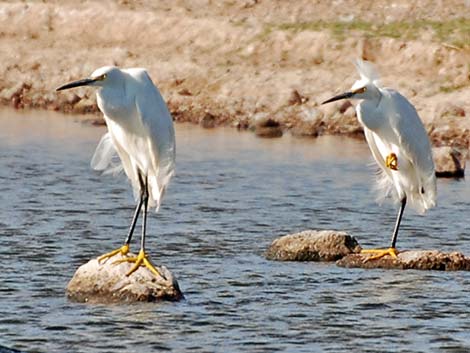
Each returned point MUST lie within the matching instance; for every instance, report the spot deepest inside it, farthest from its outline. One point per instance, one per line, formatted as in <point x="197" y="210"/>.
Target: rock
<point x="208" y="121"/>
<point x="268" y="131"/>
<point x="108" y="283"/>
<point x="340" y="119"/>
<point x="367" y="49"/>
<point x="74" y="99"/>
<point x="296" y="98"/>
<point x="329" y="245"/>
<point x="185" y="92"/>
<point x="98" y="121"/>
<point x="449" y="162"/>
<point x="309" y="122"/>
<point x="264" y="126"/>
<point x="312" y="245"/>
<point x="449" y="109"/>
<point x="85" y="105"/>
<point x="411" y="259"/>
<point x="345" y="106"/>
<point x="249" y="4"/>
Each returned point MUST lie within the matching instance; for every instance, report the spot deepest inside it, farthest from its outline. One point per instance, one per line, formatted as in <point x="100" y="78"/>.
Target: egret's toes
<point x="123" y="250"/>
<point x="152" y="268"/>
<point x="379" y="253"/>
<point x="140" y="260"/>
<point x="137" y="262"/>
<point x="125" y="259"/>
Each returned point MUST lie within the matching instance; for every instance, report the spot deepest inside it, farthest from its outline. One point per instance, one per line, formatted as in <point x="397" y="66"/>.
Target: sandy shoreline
<point x="237" y="63"/>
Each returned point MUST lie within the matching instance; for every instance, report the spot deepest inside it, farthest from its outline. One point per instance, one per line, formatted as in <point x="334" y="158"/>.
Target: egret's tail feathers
<point x="106" y="158"/>
<point x="157" y="186"/>
<point x="417" y="199"/>
<point x="367" y="71"/>
<point x="419" y="204"/>
<point x="156" y="193"/>
<point x="425" y="198"/>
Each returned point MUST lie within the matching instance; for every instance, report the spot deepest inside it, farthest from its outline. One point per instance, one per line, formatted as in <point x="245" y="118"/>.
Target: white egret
<point x="141" y="132"/>
<point x="399" y="144"/>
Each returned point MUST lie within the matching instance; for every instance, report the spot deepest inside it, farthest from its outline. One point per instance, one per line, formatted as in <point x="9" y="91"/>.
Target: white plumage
<point x="140" y="130"/>
<point x="392" y="125"/>
<point x="141" y="133"/>
<point x="398" y="142"/>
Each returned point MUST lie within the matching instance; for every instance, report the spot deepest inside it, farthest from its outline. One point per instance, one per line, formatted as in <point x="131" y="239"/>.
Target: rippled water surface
<point x="232" y="195"/>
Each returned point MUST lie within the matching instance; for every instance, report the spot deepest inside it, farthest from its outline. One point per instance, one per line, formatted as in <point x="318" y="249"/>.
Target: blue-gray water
<point x="232" y="195"/>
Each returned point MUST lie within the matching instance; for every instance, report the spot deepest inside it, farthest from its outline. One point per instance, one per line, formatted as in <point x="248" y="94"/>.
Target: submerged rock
<point x="312" y="245"/>
<point x="411" y="259"/>
<point x="449" y="162"/>
<point x="108" y="283"/>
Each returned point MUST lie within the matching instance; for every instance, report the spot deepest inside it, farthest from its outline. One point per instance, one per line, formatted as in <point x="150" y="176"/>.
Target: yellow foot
<point x="139" y="260"/>
<point x="123" y="250"/>
<point x="379" y="253"/>
<point x="391" y="161"/>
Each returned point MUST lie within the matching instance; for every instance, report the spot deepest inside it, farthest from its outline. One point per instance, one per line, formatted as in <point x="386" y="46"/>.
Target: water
<point x="232" y="195"/>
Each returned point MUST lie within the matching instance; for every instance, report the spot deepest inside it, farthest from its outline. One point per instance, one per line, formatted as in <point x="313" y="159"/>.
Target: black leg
<point x="137" y="210"/>
<point x="134" y="220"/>
<point x="145" y="197"/>
<point x="142" y="259"/>
<point x="397" y="224"/>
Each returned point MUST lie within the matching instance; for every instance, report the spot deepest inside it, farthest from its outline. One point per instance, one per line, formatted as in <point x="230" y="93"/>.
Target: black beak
<point x="84" y="82"/>
<point x="339" y="96"/>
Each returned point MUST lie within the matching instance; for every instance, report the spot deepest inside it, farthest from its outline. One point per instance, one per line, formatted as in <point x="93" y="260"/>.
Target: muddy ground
<point x="236" y="62"/>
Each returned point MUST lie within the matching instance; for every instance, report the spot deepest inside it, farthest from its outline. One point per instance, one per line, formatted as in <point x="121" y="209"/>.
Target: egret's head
<point x="100" y="77"/>
<point x="365" y="88"/>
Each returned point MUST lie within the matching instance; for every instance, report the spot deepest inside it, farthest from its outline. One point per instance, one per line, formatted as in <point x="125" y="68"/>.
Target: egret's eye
<point x="101" y="78"/>
<point x="360" y="90"/>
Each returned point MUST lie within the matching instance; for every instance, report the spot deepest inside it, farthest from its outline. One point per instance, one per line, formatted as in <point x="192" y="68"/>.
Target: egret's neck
<point x="115" y="104"/>
<point x="369" y="114"/>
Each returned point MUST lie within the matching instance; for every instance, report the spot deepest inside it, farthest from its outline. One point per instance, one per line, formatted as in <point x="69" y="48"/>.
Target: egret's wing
<point x="105" y="158"/>
<point x="158" y="124"/>
<point x="413" y="142"/>
<point x="412" y="137"/>
<point x="384" y="180"/>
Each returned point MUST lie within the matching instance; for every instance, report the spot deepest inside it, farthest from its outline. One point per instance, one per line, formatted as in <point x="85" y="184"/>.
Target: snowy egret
<point x="399" y="144"/>
<point x="141" y="132"/>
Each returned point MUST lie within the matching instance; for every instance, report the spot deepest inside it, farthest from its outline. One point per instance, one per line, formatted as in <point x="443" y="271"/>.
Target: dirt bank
<point x="234" y="62"/>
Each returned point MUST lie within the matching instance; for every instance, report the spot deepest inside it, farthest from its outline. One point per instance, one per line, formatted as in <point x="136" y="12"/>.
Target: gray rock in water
<point x="311" y="245"/>
<point x="107" y="283"/>
<point x="411" y="259"/>
<point x="449" y="162"/>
